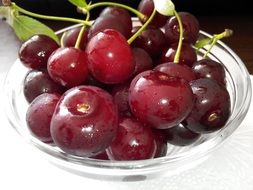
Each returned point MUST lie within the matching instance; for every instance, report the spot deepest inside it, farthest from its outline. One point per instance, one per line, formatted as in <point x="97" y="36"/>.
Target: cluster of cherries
<point x="113" y="100"/>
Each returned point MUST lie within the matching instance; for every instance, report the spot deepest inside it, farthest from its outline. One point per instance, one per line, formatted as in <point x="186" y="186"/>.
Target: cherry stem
<point x="80" y="35"/>
<point x="136" y="12"/>
<point x="180" y="41"/>
<point x="144" y="26"/>
<point x="216" y="37"/>
<point x="16" y="7"/>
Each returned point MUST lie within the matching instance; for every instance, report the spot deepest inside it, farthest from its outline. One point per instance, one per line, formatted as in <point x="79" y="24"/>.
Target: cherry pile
<point x="109" y="99"/>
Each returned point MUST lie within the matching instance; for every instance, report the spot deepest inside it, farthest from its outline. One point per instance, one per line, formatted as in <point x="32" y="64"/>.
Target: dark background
<point x="197" y="7"/>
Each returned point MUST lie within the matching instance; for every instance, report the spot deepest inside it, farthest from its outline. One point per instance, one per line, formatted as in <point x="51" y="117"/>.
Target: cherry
<point x="120" y="95"/>
<point x="35" y="52"/>
<point x="146" y="7"/>
<point x="101" y="156"/>
<point x="68" y="66"/>
<point x="85" y="121"/>
<point x="152" y="40"/>
<point x="212" y="107"/>
<point x="190" y="26"/>
<point x="39" y="114"/>
<point x="187" y="56"/>
<point x="69" y="38"/>
<point x="39" y="82"/>
<point x="161" y="143"/>
<point x="110" y="57"/>
<point x="207" y="68"/>
<point x="159" y="100"/>
<point x="180" y="135"/>
<point x="133" y="141"/>
<point x="112" y="18"/>
<point x="142" y="59"/>
<point x="176" y="70"/>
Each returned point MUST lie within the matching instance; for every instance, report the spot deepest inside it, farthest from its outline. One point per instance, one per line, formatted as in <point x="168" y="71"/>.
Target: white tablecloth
<point x="21" y="167"/>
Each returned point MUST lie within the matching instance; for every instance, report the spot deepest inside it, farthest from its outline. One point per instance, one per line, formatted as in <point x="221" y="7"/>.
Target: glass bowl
<point x="177" y="158"/>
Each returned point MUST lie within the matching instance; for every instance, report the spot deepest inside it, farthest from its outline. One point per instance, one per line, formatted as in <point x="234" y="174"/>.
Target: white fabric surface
<point x="21" y="167"/>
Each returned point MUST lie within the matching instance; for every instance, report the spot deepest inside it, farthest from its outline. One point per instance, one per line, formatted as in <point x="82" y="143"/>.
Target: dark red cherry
<point x="152" y="40"/>
<point x="187" y="56"/>
<point x="112" y="18"/>
<point x="180" y="135"/>
<point x="207" y="68"/>
<point x="190" y="28"/>
<point x="39" y="114"/>
<point x="142" y="59"/>
<point x="212" y="107"/>
<point x="110" y="57"/>
<point x="35" y="52"/>
<point x="85" y="121"/>
<point x="146" y="7"/>
<point x="160" y="100"/>
<point x="101" y="156"/>
<point x="69" y="38"/>
<point x="133" y="141"/>
<point x="120" y="95"/>
<point x="161" y="143"/>
<point x="68" y="66"/>
<point x="176" y="70"/>
<point x="39" y="82"/>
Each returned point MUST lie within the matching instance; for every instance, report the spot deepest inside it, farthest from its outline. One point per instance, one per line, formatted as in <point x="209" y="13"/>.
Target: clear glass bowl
<point x="177" y="159"/>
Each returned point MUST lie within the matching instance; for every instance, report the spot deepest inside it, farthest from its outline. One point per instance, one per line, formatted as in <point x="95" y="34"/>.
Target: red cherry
<point x="133" y="142"/>
<point x="39" y="115"/>
<point x="176" y="70"/>
<point x="160" y="100"/>
<point x="68" y="66"/>
<point x="85" y="121"/>
<point x="35" y="52"/>
<point x="110" y="57"/>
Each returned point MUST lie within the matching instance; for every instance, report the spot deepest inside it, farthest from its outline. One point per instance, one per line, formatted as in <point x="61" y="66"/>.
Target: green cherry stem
<point x="21" y="10"/>
<point x="136" y="12"/>
<point x="180" y="41"/>
<point x="80" y="35"/>
<point x="144" y="26"/>
<point x="216" y="37"/>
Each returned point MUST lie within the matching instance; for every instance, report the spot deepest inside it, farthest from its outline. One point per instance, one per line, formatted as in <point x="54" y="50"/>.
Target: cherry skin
<point x="110" y="57"/>
<point x="133" y="141"/>
<point x="39" y="82"/>
<point x="212" y="107"/>
<point x="69" y="38"/>
<point x="159" y="100"/>
<point x="39" y="114"/>
<point x="207" y="68"/>
<point x="187" y="56"/>
<point x="120" y="95"/>
<point x="161" y="143"/>
<point x="35" y="52"/>
<point x="68" y="66"/>
<point x="146" y="7"/>
<point x="176" y="70"/>
<point x="142" y="59"/>
<point x="112" y="18"/>
<point x="190" y="26"/>
<point x="180" y="135"/>
<point x="85" y="121"/>
<point x="152" y="40"/>
<point x="101" y="156"/>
